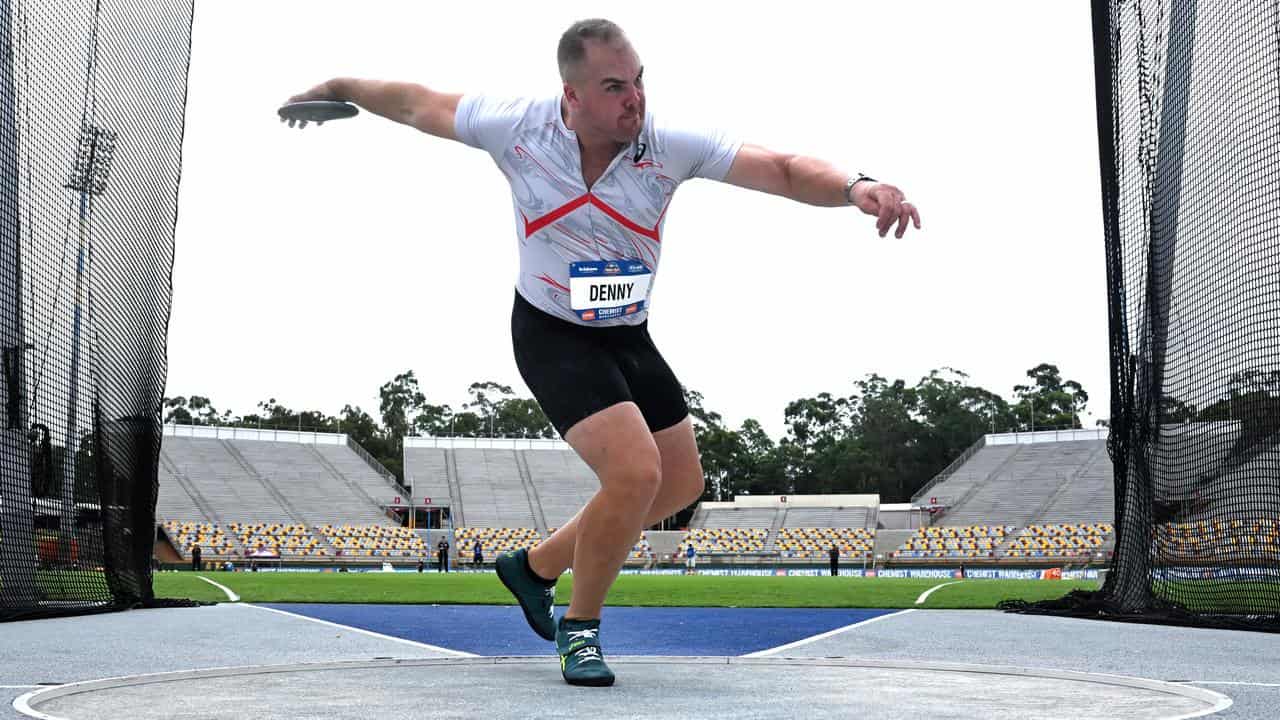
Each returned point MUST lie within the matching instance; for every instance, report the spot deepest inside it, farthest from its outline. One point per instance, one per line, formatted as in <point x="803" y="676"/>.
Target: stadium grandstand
<point x="315" y="498"/>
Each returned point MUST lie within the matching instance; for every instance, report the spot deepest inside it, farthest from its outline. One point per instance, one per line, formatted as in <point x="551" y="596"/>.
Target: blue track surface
<point x="501" y="629"/>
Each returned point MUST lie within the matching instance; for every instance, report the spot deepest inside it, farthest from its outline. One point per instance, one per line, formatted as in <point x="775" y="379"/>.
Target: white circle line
<point x="230" y="595"/>
<point x="1217" y="701"/>
<point x="925" y="595"/>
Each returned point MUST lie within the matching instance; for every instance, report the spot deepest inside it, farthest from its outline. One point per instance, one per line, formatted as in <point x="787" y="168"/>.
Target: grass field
<point x="630" y="590"/>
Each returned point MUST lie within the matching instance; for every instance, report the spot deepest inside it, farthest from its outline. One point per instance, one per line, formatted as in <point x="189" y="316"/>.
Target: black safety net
<point x="1189" y="134"/>
<point x="92" y="96"/>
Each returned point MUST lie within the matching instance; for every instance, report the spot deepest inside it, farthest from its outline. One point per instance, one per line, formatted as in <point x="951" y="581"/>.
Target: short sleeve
<point x="488" y="123"/>
<point x="702" y="153"/>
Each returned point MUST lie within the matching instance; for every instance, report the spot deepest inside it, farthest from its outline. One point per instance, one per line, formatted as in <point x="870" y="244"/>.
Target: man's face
<point x="608" y="94"/>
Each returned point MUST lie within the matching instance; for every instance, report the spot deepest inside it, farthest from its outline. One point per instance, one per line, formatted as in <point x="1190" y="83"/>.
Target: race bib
<point x="603" y="289"/>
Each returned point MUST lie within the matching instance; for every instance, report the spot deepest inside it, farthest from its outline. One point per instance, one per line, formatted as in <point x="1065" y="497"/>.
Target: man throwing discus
<point x="592" y="173"/>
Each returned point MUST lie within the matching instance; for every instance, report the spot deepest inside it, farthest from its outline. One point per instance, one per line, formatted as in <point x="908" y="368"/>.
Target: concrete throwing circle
<point x="690" y="687"/>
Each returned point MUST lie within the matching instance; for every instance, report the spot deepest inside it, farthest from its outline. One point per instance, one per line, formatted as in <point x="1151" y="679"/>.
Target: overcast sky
<point x="314" y="265"/>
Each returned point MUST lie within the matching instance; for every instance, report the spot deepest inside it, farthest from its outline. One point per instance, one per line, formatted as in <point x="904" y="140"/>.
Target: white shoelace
<point x="588" y="654"/>
<point x="588" y="634"/>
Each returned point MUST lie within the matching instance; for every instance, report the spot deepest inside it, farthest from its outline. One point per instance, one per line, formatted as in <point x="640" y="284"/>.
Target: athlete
<point x="592" y="174"/>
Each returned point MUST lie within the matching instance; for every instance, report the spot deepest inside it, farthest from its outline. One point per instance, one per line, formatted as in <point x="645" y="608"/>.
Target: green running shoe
<point x="581" y="661"/>
<point x="536" y="596"/>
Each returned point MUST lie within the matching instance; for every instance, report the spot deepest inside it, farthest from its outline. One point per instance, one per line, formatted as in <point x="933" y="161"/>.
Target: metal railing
<point x="373" y="463"/>
<point x="224" y="432"/>
<point x="485" y="443"/>
<point x="950" y="470"/>
<point x="1042" y="436"/>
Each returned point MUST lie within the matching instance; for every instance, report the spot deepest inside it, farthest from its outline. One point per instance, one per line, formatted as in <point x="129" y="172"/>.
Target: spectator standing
<point x="833" y="554"/>
<point x="195" y="557"/>
<point x="690" y="560"/>
<point x="442" y="555"/>
<point x="477" y="550"/>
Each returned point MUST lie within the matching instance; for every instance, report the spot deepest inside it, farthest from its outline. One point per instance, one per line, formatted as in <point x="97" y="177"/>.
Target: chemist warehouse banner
<point x="936" y="573"/>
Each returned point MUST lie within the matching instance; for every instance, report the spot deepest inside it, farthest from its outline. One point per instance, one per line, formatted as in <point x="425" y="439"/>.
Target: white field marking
<point x="825" y="635"/>
<point x="230" y="595"/>
<point x="1230" y="683"/>
<point x="925" y="595"/>
<point x="22" y="705"/>
<point x="370" y="633"/>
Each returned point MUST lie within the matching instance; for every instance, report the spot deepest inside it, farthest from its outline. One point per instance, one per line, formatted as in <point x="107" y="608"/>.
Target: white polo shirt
<point x="587" y="255"/>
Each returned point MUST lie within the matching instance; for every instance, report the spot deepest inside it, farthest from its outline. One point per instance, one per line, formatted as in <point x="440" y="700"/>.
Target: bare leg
<point x="617" y="445"/>
<point x="681" y="484"/>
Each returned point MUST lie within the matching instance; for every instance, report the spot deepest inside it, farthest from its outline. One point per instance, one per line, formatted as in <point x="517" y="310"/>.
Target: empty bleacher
<point x="814" y="543"/>
<point x="426" y="471"/>
<point x="289" y="541"/>
<point x="954" y="543"/>
<point x="211" y="538"/>
<point x="562" y="481"/>
<point x="1089" y="497"/>
<point x="750" y="517"/>
<point x="314" y="492"/>
<point x="828" y="517"/>
<point x="1059" y="540"/>
<point x="493" y="493"/>
<point x="976" y="470"/>
<point x="495" y="540"/>
<point x="1022" y="485"/>
<point x="358" y="474"/>
<point x="373" y="541"/>
<point x="725" y="540"/>
<point x="1237" y="540"/>
<point x="173" y="501"/>
<point x="231" y="492"/>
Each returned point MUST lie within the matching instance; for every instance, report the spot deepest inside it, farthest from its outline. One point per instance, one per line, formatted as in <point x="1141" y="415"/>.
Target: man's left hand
<point x="888" y="204"/>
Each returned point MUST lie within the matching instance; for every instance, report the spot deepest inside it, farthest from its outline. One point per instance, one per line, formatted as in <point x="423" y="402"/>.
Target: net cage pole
<point x="1135" y="501"/>
<point x="17" y="522"/>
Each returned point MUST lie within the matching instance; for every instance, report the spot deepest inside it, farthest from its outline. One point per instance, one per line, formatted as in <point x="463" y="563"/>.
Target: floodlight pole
<point x="17" y="515"/>
<point x="88" y="179"/>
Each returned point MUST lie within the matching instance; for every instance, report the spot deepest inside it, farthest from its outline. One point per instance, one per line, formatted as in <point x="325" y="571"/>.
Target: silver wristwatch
<point x="848" y="186"/>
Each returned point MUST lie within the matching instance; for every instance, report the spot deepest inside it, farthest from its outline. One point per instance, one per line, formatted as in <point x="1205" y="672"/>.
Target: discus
<point x="316" y="111"/>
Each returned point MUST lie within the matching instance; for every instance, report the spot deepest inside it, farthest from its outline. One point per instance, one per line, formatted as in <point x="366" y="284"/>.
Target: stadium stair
<point x="457" y="514"/>
<point x="531" y="492"/>
<point x="295" y="518"/>
<point x="771" y="540"/>
<point x="339" y="475"/>
<point x="202" y="504"/>
<point x="995" y="473"/>
<point x="1066" y="485"/>
<point x="950" y="470"/>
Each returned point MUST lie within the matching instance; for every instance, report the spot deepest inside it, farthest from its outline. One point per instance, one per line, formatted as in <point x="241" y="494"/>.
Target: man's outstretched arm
<point x="817" y="182"/>
<point x="408" y="103"/>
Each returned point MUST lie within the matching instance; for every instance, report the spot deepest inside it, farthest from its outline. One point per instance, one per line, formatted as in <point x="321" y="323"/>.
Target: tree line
<point x="885" y="437"/>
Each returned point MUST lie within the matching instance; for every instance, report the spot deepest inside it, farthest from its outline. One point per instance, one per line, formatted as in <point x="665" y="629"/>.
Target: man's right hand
<point x="323" y="91"/>
<point x="407" y="103"/>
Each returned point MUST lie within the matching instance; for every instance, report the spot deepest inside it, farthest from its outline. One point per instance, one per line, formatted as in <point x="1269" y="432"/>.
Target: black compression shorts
<point x="576" y="371"/>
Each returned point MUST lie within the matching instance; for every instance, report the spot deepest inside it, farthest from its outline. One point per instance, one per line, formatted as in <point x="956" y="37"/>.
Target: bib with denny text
<point x="602" y="289"/>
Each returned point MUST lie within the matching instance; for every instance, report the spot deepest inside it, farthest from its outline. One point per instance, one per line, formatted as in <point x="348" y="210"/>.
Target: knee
<point x="638" y="483"/>
<point x="693" y="489"/>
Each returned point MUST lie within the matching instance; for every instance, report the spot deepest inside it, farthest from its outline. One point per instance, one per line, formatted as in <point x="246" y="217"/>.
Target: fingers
<point x="888" y="212"/>
<point x="908" y="214"/>
<point x="892" y="207"/>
